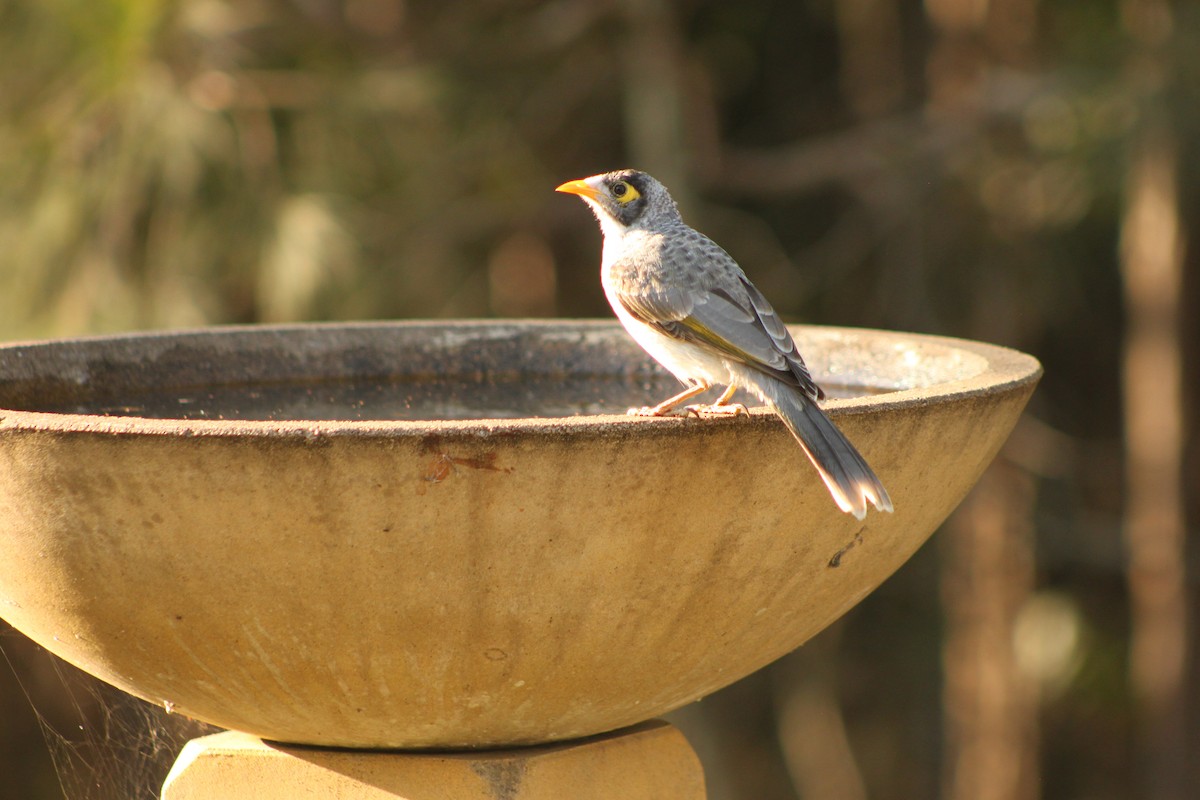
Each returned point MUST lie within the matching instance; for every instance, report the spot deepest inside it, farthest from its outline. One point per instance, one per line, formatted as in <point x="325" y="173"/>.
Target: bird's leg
<point x="666" y="406"/>
<point x="721" y="408"/>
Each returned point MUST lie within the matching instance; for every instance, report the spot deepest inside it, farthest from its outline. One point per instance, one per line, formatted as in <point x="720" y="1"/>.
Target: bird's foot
<point x="670" y="406"/>
<point x="656" y="411"/>
<point x="718" y="410"/>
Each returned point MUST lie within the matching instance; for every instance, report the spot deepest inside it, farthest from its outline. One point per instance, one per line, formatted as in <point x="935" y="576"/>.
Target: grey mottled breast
<point x="667" y="270"/>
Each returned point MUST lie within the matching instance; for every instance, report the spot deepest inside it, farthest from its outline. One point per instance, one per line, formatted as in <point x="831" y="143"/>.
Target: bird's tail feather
<point x="849" y="479"/>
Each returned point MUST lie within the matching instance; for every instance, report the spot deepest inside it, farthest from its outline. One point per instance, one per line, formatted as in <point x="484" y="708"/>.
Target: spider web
<point x="103" y="744"/>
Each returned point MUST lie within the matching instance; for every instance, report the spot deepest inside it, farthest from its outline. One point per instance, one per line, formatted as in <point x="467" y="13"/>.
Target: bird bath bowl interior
<point x="449" y="535"/>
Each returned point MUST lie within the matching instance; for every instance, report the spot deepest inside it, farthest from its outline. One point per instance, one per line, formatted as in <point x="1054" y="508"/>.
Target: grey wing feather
<point x="782" y="339"/>
<point x="656" y="304"/>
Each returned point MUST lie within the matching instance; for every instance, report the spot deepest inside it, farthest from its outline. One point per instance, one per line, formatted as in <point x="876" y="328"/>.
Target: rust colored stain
<point x="444" y="465"/>
<point x="439" y="469"/>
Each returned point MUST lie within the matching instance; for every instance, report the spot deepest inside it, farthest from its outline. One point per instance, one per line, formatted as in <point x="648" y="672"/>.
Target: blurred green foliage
<point x="952" y="166"/>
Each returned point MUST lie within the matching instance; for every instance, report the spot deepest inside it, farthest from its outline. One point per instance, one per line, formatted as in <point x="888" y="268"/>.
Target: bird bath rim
<point x="972" y="360"/>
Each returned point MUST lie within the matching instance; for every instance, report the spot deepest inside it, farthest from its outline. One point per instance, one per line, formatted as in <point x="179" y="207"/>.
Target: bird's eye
<point x="624" y="192"/>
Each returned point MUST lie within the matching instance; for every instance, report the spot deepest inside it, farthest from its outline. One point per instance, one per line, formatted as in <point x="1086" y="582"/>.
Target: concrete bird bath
<point x="448" y="536"/>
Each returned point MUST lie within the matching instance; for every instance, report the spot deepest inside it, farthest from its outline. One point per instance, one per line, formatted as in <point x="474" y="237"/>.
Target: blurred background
<point x="1025" y="172"/>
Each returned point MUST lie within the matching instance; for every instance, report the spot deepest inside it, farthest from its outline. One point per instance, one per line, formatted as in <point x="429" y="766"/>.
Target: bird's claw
<point x="653" y="411"/>
<point x="718" y="410"/>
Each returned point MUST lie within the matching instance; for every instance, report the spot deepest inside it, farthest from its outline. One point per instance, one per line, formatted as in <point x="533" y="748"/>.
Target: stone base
<point x="650" y="761"/>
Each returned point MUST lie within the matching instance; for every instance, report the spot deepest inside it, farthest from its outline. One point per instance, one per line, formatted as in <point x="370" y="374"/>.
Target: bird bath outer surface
<point x="446" y="583"/>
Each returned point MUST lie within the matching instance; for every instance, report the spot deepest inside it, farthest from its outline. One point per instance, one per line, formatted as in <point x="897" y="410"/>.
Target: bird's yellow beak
<point x="579" y="187"/>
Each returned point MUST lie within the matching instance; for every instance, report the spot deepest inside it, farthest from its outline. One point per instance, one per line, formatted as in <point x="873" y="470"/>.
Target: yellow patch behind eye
<point x="628" y="197"/>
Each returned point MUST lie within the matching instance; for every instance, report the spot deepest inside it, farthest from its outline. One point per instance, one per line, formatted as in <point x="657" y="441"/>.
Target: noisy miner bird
<point x="690" y="306"/>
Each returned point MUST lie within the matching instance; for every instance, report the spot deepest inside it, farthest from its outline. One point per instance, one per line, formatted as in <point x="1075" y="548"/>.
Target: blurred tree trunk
<point x="1151" y="264"/>
<point x="872" y="58"/>
<point x="811" y="728"/>
<point x="990" y="705"/>
<point x="654" y="90"/>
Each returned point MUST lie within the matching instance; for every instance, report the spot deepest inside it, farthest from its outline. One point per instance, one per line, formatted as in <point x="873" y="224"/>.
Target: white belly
<point x="688" y="363"/>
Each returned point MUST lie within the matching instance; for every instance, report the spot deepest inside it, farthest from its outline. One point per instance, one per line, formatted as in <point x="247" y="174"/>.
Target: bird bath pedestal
<point x="437" y="560"/>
